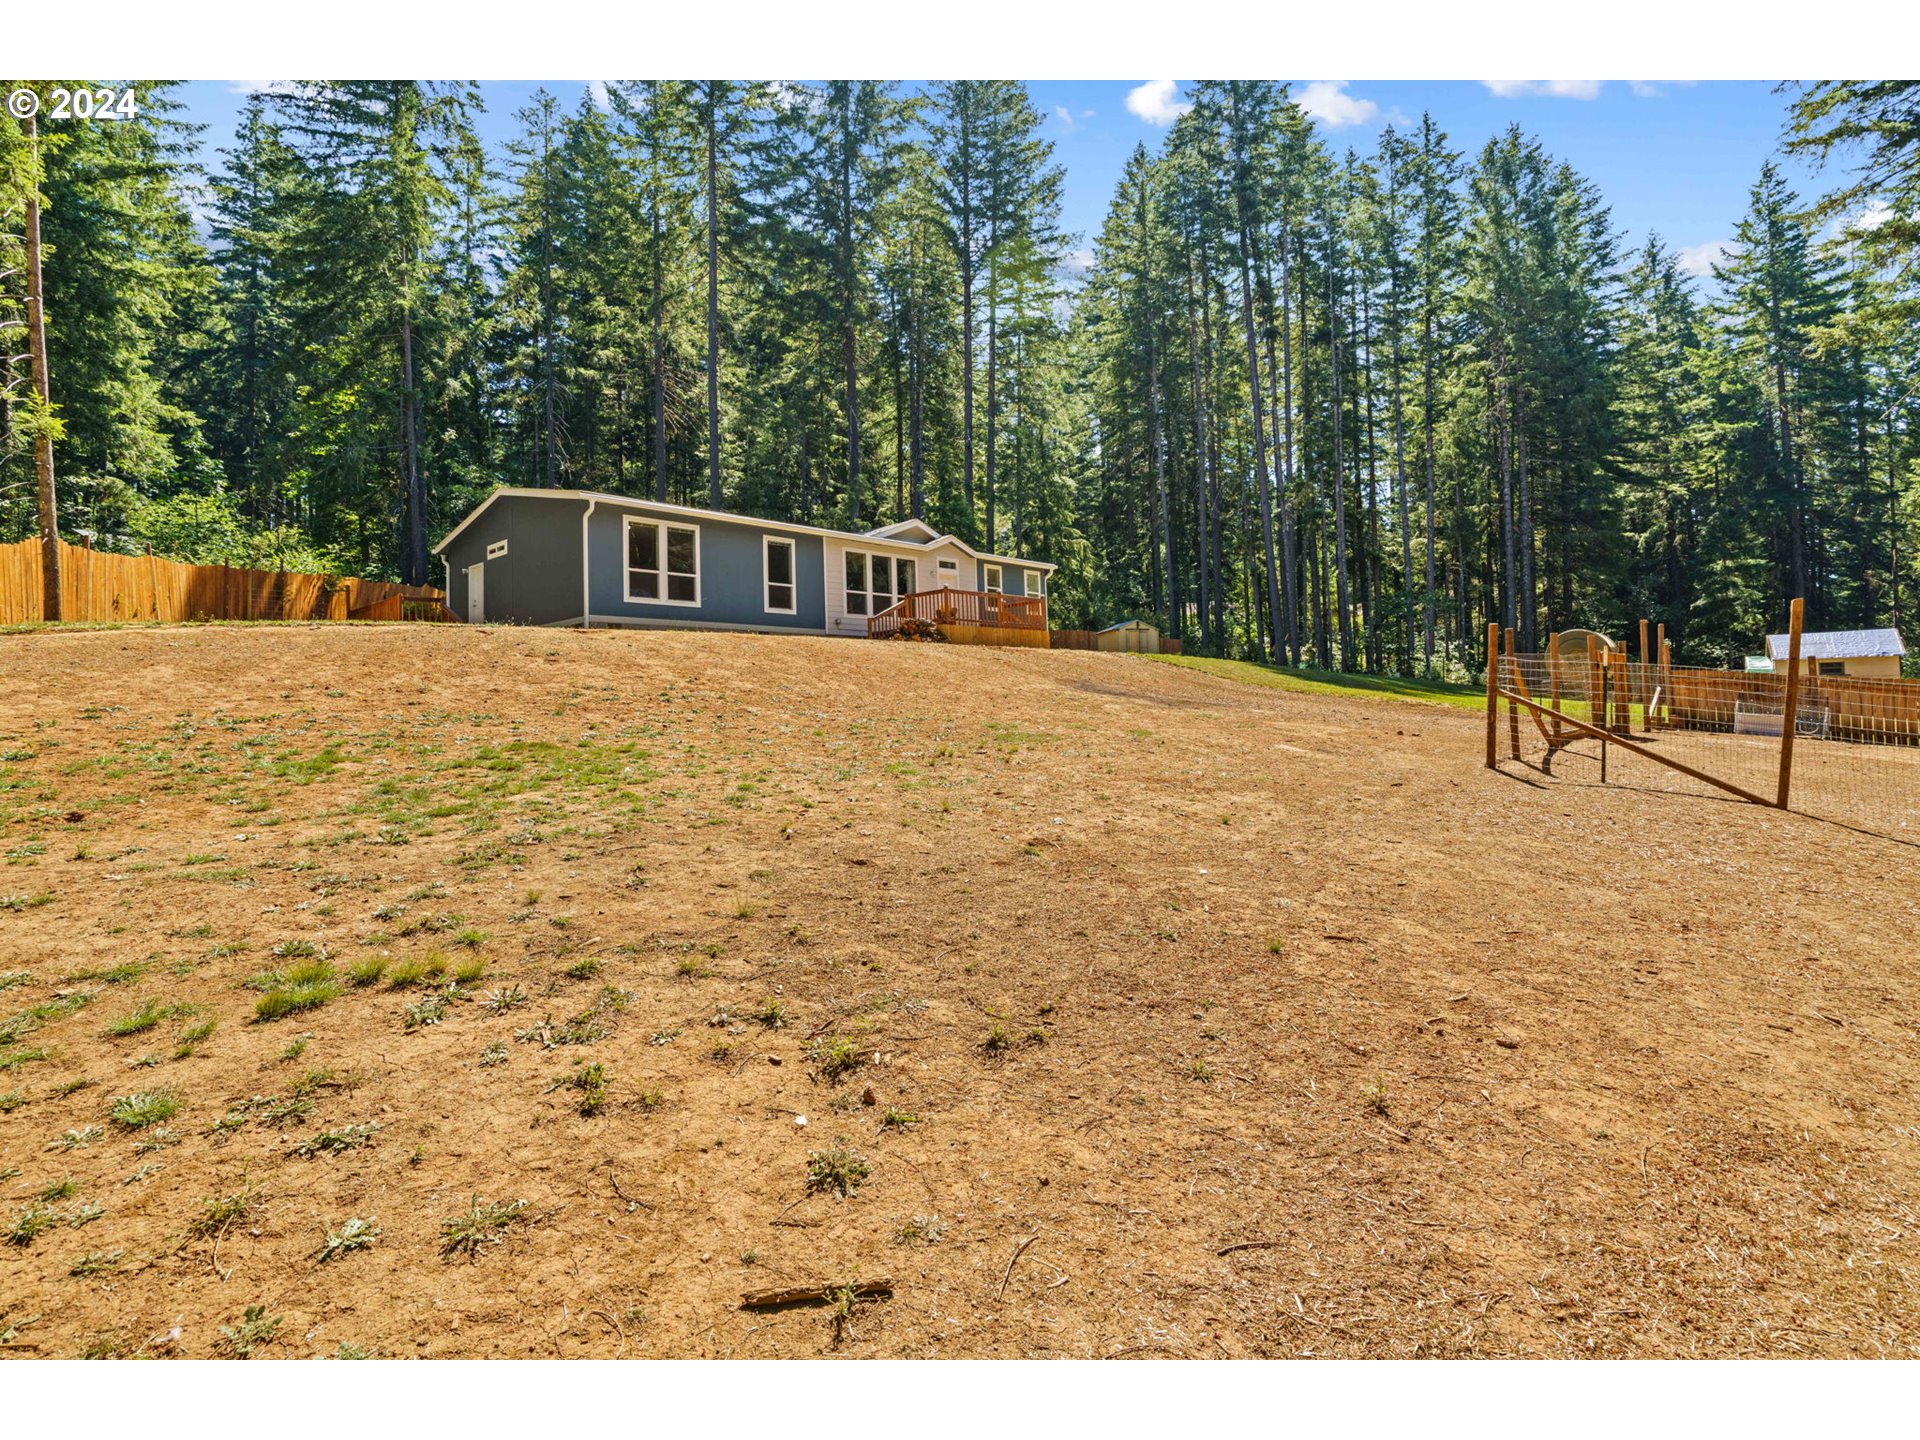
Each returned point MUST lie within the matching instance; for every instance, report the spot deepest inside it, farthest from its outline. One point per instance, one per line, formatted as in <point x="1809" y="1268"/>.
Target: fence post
<point x="1513" y="708"/>
<point x="1790" y="720"/>
<point x="1493" y="694"/>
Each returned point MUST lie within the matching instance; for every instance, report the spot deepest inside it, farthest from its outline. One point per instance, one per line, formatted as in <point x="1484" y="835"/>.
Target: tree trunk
<point x="415" y="568"/>
<point x="1289" y="545"/>
<point x="659" y="365"/>
<point x="1202" y="523"/>
<point x="1341" y="598"/>
<point x="49" y="511"/>
<point x="713" y="302"/>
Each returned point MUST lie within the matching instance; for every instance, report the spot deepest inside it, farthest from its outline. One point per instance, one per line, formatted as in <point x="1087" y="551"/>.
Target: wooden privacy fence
<point x="97" y="585"/>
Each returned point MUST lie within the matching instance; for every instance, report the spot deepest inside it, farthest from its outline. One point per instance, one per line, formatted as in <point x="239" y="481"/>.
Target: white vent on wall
<point x="496" y="549"/>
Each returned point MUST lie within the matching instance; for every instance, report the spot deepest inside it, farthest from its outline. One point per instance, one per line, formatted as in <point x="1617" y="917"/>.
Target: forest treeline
<point x="1304" y="403"/>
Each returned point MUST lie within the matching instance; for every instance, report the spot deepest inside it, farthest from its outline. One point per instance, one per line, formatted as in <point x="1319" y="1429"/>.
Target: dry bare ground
<point x="1175" y="1016"/>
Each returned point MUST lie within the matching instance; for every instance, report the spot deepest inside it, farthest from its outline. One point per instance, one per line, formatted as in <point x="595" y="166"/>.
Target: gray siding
<point x="732" y="575"/>
<point x="1013" y="579"/>
<point x="537" y="582"/>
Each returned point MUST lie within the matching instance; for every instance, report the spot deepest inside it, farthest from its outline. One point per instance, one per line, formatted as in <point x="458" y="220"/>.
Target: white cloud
<point x="1065" y="115"/>
<point x="260" y="87"/>
<point x="1079" y="262"/>
<point x="1700" y="259"/>
<point x="1557" y="89"/>
<point x="598" y="89"/>
<point x="1328" y="102"/>
<point x="1158" y="102"/>
<point x="1871" y="218"/>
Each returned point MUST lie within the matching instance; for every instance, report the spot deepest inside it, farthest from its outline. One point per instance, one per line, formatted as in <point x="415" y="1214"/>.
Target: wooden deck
<point x="969" y="617"/>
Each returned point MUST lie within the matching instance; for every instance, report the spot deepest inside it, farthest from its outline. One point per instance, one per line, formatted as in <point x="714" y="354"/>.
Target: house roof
<point x="1126" y="625"/>
<point x="1838" y="644"/>
<point x="882" y="536"/>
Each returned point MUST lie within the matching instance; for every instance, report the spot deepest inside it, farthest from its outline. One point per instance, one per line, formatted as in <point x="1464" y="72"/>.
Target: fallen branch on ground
<point x="813" y="1294"/>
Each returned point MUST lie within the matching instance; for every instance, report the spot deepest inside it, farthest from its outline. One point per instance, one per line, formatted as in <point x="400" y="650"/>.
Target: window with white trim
<point x="991" y="582"/>
<point x="874" y="581"/>
<point x="1036" y="582"/>
<point x="663" y="562"/>
<point x="781" y="585"/>
<point x="496" y="549"/>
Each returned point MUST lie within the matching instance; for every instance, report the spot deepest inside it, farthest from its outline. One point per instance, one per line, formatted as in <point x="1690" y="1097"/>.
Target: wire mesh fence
<point x="1596" y="717"/>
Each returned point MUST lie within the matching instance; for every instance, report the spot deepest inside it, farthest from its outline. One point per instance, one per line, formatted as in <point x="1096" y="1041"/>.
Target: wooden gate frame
<point x="1516" y="696"/>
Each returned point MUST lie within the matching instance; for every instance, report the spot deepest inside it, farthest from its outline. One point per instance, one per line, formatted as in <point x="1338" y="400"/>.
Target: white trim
<point x="667" y="576"/>
<point x="868" y="595"/>
<point x="586" y="567"/>
<point x="889" y="532"/>
<point x="767" y="582"/>
<point x="497" y="550"/>
<point x="690" y="512"/>
<point x="993" y="579"/>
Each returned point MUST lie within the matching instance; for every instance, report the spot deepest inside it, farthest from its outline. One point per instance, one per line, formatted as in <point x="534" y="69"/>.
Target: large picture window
<point x="780" y="576"/>
<point x="663" y="562"/>
<point x="874" y="582"/>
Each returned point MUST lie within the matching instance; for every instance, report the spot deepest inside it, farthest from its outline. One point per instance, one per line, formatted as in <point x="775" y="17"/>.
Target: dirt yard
<point x="1142" y="1012"/>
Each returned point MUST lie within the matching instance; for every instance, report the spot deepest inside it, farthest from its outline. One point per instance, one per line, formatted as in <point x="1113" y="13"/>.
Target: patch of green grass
<point x="77" y="1138"/>
<point x="60" y="1189"/>
<point x="310" y="971"/>
<point x="1200" y="1070"/>
<point x="143" y="1108"/>
<point x="191" y="1037"/>
<point x="837" y="1170"/>
<point x="584" y="969"/>
<point x="999" y="1037"/>
<point x="772" y="1014"/>
<point x="472" y="938"/>
<point x="898" y="1119"/>
<point x="591" y="1081"/>
<point x="12" y="1100"/>
<point x="469" y="969"/>
<point x="11" y="1059"/>
<point x="26" y="902"/>
<point x="122" y="974"/>
<point x="26" y="1225"/>
<point x="293" y="999"/>
<point x="146" y="1018"/>
<point x="11" y="978"/>
<point x="366" y="972"/>
<point x="1374" y="1098"/>
<point x="836" y="1056"/>
<point x="218" y="1213"/>
<point x="483" y="1223"/>
<point x="1306" y="681"/>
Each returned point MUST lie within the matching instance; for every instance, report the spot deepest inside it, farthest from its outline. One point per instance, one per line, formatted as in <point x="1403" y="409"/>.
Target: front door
<point x="476" y="594"/>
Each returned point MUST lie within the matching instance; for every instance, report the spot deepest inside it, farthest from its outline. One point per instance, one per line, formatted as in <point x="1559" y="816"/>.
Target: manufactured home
<point x="575" y="557"/>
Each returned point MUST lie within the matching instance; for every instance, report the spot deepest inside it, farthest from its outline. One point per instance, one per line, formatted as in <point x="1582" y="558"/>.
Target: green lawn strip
<point x="1332" y="682"/>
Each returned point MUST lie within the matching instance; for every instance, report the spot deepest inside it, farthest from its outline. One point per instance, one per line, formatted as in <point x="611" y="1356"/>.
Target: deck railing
<point x="983" y="609"/>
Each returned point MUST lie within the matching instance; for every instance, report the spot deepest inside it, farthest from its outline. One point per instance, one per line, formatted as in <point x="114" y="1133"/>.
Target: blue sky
<point x="1673" y="157"/>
